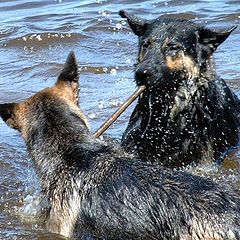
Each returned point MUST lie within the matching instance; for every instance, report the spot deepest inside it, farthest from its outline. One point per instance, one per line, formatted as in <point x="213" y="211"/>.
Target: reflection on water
<point x="35" y="38"/>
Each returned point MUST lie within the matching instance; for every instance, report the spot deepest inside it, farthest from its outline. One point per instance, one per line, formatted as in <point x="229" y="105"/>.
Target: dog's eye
<point x="143" y="50"/>
<point x="172" y="49"/>
<point x="145" y="45"/>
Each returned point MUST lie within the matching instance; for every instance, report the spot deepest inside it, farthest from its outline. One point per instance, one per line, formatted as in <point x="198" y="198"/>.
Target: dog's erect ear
<point x="214" y="38"/>
<point x="68" y="79"/>
<point x="70" y="70"/>
<point x="137" y="25"/>
<point x="8" y="115"/>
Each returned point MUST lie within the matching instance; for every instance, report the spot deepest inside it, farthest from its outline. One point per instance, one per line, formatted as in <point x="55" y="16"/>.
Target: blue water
<point x="35" y="39"/>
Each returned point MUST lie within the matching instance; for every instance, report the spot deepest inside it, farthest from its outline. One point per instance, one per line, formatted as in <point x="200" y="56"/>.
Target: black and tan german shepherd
<point x="187" y="114"/>
<point x="99" y="191"/>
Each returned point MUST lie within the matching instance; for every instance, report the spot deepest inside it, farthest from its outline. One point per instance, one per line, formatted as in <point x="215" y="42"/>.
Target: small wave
<point x="6" y="31"/>
<point x="105" y="25"/>
<point x="22" y="6"/>
<point x="229" y="17"/>
<point x="34" y="208"/>
<point x="185" y="15"/>
<point x="227" y="173"/>
<point x="103" y="70"/>
<point x="42" y="39"/>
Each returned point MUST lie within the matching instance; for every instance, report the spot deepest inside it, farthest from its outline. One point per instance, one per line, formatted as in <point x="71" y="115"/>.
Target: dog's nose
<point x="142" y="74"/>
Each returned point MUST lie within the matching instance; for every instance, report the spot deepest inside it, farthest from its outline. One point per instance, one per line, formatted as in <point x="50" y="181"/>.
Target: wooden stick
<point x="121" y="109"/>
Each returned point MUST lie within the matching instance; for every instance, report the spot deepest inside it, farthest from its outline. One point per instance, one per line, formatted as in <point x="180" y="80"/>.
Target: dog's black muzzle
<point x="154" y="76"/>
<point x="143" y="75"/>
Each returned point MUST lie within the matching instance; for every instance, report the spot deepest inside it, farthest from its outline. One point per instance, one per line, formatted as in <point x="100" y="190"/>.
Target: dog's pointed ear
<point x="137" y="25"/>
<point x="7" y="113"/>
<point x="68" y="78"/>
<point x="69" y="72"/>
<point x="214" y="38"/>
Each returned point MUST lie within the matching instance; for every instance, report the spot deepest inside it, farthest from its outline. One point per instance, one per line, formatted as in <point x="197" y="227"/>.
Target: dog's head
<point x="47" y="105"/>
<point x="171" y="50"/>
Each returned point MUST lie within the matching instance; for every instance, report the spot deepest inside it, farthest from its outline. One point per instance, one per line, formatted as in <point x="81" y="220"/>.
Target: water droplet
<point x="105" y="70"/>
<point x="129" y="60"/>
<point x="114" y="102"/>
<point x="101" y="104"/>
<point x="118" y="26"/>
<point x="92" y="115"/>
<point x="113" y="72"/>
<point x="38" y="37"/>
<point x="104" y="13"/>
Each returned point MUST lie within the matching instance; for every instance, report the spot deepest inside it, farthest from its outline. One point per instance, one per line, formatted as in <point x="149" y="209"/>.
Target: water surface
<point x="35" y="39"/>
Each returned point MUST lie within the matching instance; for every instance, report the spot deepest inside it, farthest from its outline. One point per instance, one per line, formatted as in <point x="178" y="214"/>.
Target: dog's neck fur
<point x="178" y="97"/>
<point x="207" y="71"/>
<point x="52" y="146"/>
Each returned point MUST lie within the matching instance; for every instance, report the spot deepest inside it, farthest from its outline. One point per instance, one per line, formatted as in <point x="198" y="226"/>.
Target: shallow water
<point x="36" y="37"/>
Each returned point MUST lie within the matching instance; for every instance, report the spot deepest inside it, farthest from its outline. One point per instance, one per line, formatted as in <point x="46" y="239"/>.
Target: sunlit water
<point x="36" y="37"/>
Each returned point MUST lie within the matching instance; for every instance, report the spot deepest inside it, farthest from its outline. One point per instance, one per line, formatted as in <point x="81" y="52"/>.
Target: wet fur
<point x="97" y="191"/>
<point x="187" y="114"/>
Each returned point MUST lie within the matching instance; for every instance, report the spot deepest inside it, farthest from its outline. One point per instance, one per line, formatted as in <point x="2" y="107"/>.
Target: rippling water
<point x="36" y="37"/>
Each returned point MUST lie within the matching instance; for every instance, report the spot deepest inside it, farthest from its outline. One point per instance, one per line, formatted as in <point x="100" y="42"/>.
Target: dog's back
<point x="101" y="192"/>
